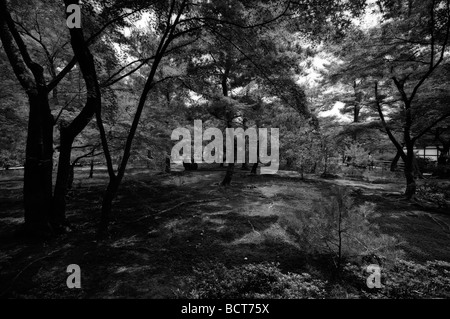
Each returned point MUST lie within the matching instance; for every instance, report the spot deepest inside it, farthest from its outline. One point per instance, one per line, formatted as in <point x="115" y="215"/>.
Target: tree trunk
<point x="325" y="171"/>
<point x="410" y="184"/>
<point x="38" y="165"/>
<point x="416" y="169"/>
<point x="91" y="172"/>
<point x="442" y="159"/>
<point x="395" y="162"/>
<point x="230" y="170"/>
<point x="409" y="173"/>
<point x="167" y="166"/>
<point x="115" y="180"/>
<point x="228" y="176"/>
<point x="62" y="180"/>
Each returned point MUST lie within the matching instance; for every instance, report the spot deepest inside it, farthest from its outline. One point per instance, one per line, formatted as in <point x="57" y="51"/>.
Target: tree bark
<point x="230" y="170"/>
<point x="254" y="169"/>
<point x="167" y="165"/>
<point x="409" y="171"/>
<point x="38" y="181"/>
<point x="62" y="180"/>
<point x="228" y="176"/>
<point x="91" y="171"/>
<point x="395" y="162"/>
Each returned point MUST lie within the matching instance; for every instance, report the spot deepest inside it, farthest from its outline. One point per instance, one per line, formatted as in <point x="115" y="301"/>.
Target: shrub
<point x="407" y="279"/>
<point x="353" y="172"/>
<point x="434" y="193"/>
<point x="252" y="281"/>
<point x="357" y="155"/>
<point x="344" y="230"/>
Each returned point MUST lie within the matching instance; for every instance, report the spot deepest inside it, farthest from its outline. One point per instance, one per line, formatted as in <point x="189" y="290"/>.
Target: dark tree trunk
<point x="442" y="159"/>
<point x="167" y="168"/>
<point x="230" y="170"/>
<point x="254" y="169"/>
<point x="357" y="110"/>
<point x="416" y="169"/>
<point x="91" y="171"/>
<point x="63" y="180"/>
<point x="325" y="171"/>
<point x="409" y="172"/>
<point x="38" y="165"/>
<point x="395" y="162"/>
<point x="228" y="176"/>
<point x="410" y="184"/>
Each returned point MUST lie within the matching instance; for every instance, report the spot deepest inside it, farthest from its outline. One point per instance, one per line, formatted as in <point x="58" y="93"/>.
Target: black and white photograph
<point x="225" y="156"/>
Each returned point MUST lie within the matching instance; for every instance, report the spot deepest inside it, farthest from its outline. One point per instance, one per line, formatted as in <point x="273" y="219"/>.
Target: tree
<point x="32" y="70"/>
<point x="400" y="57"/>
<point x="39" y="150"/>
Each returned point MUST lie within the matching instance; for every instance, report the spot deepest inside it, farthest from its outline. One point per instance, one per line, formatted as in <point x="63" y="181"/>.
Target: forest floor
<point x="164" y="225"/>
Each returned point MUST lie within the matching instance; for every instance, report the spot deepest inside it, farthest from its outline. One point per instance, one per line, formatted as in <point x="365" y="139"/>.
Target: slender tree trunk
<point x="409" y="173"/>
<point x="91" y="171"/>
<point x="167" y="166"/>
<point x="444" y="151"/>
<point x="410" y="184"/>
<point x="416" y="169"/>
<point x="246" y="147"/>
<point x="62" y="180"/>
<point x="229" y="175"/>
<point x="254" y="169"/>
<point x="395" y="161"/>
<point x="255" y="165"/>
<point x="115" y="180"/>
<point x="340" y="238"/>
<point x="230" y="170"/>
<point x="325" y="172"/>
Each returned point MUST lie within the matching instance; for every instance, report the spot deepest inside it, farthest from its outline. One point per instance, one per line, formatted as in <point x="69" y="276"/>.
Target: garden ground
<point x="166" y="225"/>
